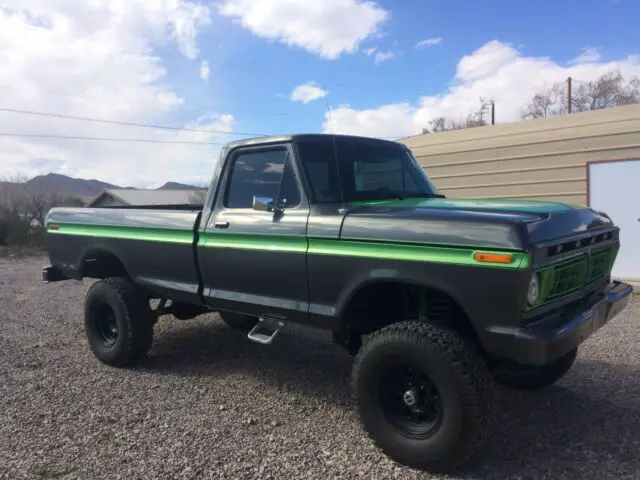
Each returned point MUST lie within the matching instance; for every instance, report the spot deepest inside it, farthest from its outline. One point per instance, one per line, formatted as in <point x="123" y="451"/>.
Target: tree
<point x="198" y="197"/>
<point x="23" y="210"/>
<point x="608" y="90"/>
<point x="476" y="118"/>
<point x="546" y="103"/>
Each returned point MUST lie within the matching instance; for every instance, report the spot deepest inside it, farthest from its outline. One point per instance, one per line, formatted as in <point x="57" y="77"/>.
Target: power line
<point x="105" y="139"/>
<point x="129" y="124"/>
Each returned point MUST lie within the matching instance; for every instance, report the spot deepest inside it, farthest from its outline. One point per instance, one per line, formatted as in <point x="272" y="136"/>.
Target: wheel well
<point x="382" y="303"/>
<point x="102" y="265"/>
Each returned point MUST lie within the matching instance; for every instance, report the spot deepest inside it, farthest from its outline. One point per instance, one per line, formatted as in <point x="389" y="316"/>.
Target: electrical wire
<point x="129" y="124"/>
<point x="104" y="139"/>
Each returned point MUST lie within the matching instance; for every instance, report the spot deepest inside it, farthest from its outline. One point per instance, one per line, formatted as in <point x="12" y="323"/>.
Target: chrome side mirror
<point x="263" y="204"/>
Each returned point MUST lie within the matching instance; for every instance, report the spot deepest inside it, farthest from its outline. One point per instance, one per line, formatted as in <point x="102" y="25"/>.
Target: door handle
<point x="221" y="225"/>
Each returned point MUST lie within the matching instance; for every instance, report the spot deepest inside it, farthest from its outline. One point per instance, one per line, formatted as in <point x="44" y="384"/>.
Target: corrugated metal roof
<point x="149" y="197"/>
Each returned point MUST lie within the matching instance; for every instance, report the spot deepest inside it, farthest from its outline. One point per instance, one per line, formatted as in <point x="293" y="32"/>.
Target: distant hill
<point x="56" y="183"/>
<point x="177" y="186"/>
<point x="83" y="188"/>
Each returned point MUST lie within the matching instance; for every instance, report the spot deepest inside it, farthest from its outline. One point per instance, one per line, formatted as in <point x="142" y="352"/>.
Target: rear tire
<point x="118" y="322"/>
<point x="425" y="396"/>
<point x="237" y="321"/>
<point x="522" y="377"/>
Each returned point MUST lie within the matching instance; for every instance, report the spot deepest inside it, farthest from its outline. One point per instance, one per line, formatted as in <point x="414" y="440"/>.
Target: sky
<point x="228" y="69"/>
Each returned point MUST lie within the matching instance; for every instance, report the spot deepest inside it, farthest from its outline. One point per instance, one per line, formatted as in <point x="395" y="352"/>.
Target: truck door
<point x="253" y="253"/>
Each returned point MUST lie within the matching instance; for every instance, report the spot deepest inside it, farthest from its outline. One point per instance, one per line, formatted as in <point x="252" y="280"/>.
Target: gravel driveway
<point x="207" y="403"/>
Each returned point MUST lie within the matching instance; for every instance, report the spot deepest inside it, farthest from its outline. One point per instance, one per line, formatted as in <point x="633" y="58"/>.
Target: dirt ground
<point x="207" y="403"/>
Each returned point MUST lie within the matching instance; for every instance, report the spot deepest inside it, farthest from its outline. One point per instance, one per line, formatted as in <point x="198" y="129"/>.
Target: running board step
<point x="265" y="331"/>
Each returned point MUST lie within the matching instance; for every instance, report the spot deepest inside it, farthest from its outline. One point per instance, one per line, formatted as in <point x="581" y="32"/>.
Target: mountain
<point x="177" y="186"/>
<point x="57" y="183"/>
<point x="83" y="188"/>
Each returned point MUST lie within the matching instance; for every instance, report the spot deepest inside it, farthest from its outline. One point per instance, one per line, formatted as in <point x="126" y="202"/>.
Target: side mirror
<point x="263" y="204"/>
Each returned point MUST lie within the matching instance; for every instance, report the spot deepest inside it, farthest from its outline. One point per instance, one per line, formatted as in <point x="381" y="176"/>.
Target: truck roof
<point x="291" y="137"/>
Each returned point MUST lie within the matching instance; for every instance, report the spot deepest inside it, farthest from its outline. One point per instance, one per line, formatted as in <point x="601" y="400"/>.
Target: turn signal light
<point x="493" y="257"/>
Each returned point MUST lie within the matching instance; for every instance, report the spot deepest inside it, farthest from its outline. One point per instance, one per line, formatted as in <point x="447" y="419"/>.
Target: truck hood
<point x="485" y="223"/>
<point x="485" y="205"/>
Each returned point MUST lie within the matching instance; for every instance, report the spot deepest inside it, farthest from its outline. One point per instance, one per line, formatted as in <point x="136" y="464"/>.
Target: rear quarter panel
<point x="154" y="246"/>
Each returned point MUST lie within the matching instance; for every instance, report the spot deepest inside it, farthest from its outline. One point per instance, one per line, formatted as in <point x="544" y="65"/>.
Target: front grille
<point x="600" y="264"/>
<point x="578" y="244"/>
<point x="567" y="277"/>
<point x="575" y="274"/>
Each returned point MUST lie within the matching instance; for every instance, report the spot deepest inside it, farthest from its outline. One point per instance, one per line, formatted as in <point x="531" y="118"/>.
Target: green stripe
<point x="272" y="243"/>
<point x="297" y="244"/>
<point x="166" y="235"/>
<point x="416" y="253"/>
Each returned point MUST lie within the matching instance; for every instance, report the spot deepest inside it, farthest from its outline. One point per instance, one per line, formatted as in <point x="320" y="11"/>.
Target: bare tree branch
<point x="608" y="90"/>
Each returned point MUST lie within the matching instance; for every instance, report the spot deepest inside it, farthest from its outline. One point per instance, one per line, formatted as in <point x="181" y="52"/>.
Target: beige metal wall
<point x="541" y="159"/>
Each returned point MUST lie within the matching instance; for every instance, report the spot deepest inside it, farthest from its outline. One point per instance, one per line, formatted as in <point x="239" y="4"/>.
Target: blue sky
<point x="140" y="62"/>
<point x="252" y="77"/>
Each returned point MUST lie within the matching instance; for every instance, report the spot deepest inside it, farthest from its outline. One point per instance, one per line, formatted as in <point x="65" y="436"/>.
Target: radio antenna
<point x="335" y="150"/>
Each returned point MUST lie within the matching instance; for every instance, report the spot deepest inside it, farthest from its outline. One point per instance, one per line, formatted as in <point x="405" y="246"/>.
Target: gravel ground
<point x="209" y="404"/>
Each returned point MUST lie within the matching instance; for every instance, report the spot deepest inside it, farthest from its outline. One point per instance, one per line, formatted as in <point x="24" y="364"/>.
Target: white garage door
<point x="614" y="188"/>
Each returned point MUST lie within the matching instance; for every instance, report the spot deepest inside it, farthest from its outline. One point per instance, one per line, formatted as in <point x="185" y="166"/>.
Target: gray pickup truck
<point x="438" y="299"/>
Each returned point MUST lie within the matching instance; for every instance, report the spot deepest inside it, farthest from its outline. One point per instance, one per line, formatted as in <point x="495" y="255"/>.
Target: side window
<point x="263" y="174"/>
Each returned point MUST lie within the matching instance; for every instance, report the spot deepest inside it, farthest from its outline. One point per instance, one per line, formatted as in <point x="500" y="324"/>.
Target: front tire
<point x="522" y="377"/>
<point x="424" y="395"/>
<point x="118" y="322"/>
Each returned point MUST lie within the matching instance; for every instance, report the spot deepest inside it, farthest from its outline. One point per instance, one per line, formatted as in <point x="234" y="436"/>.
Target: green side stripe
<point x="272" y="243"/>
<point x="297" y="244"/>
<point x="124" y="233"/>
<point x="417" y="253"/>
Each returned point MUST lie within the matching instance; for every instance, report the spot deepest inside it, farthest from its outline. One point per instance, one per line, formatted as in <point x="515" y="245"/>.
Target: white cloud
<point x="380" y="57"/>
<point x="429" y="42"/>
<point x="587" y="55"/>
<point x="392" y="120"/>
<point x="96" y="59"/>
<point x="495" y="70"/>
<point x="329" y="28"/>
<point x="307" y="92"/>
<point x="205" y="71"/>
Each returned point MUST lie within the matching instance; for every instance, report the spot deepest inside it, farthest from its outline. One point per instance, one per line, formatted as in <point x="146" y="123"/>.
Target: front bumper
<point x="559" y="332"/>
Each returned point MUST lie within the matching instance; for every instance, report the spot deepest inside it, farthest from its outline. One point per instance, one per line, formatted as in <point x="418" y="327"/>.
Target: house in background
<point x="116" y="197"/>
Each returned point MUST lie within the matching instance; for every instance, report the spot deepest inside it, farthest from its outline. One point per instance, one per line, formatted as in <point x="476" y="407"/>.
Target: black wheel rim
<point x="106" y="324"/>
<point x="409" y="400"/>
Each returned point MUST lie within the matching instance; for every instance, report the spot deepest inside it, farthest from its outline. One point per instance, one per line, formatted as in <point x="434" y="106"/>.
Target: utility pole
<point x="493" y="112"/>
<point x="569" y="95"/>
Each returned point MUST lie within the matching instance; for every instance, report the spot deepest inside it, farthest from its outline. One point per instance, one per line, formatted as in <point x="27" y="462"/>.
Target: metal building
<point x="539" y="159"/>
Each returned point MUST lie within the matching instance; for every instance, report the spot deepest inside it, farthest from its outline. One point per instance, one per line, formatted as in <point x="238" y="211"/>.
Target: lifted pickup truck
<point x="438" y="299"/>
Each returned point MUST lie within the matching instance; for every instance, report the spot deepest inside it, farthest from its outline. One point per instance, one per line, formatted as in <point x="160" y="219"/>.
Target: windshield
<point x="369" y="170"/>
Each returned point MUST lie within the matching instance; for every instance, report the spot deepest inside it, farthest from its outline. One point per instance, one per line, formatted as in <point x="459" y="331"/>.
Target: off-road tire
<point x="133" y="317"/>
<point x="459" y="374"/>
<point x="535" y="378"/>
<point x="237" y="321"/>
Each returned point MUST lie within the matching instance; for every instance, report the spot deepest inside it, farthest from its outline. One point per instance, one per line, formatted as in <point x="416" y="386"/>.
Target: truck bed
<point x="155" y="246"/>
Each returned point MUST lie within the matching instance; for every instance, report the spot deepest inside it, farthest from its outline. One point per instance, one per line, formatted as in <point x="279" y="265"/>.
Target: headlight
<point x="534" y="289"/>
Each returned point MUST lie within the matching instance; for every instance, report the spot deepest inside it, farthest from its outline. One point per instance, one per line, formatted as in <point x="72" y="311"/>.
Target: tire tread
<point x="471" y="374"/>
